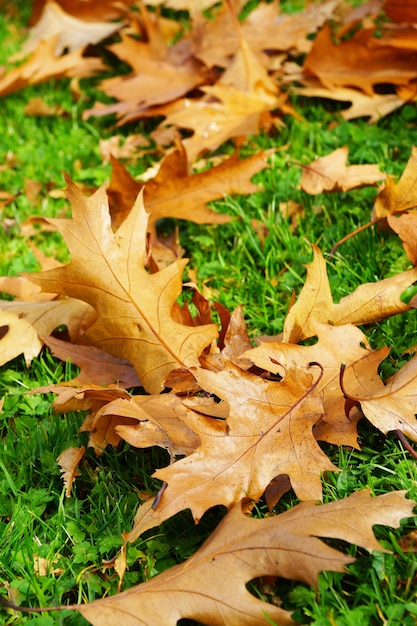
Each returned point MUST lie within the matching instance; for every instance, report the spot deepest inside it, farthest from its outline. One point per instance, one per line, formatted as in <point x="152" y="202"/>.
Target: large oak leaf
<point x="134" y="308"/>
<point x="268" y="432"/>
<point x="210" y="587"/>
<point x="336" y="345"/>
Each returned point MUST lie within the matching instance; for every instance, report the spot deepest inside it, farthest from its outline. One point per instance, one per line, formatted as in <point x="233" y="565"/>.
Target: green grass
<point x="75" y="535"/>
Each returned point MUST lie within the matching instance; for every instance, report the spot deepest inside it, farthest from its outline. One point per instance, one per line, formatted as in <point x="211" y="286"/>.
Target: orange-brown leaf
<point x="69" y="461"/>
<point x="330" y="173"/>
<point x="134" y="308"/>
<point x="398" y="197"/>
<point x="210" y="586"/>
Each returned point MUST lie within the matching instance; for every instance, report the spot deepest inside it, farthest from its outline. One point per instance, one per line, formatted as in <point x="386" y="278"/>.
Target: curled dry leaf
<point x="398" y="197"/>
<point x="174" y="192"/>
<point x="97" y="367"/>
<point x="68" y="462"/>
<point x="285" y="546"/>
<point x="372" y="105"/>
<point x="355" y="62"/>
<point x="43" y="64"/>
<point x="69" y="32"/>
<point x="133" y="307"/>
<point x="406" y="228"/>
<point x="330" y="173"/>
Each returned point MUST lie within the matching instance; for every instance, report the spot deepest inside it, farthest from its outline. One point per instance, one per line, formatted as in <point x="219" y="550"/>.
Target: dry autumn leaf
<point x="69" y="32"/>
<point x="268" y="432"/>
<point x="284" y="546"/>
<point x="134" y="308"/>
<point x="330" y="173"/>
<point x="68" y="462"/>
<point x="375" y="105"/>
<point x="43" y="64"/>
<point x="390" y="406"/>
<point x="174" y="192"/>
<point x="336" y="345"/>
<point x="406" y="228"/>
<point x="17" y="336"/>
<point x="401" y="196"/>
<point x="355" y="62"/>
<point x="97" y="367"/>
<point x="370" y="302"/>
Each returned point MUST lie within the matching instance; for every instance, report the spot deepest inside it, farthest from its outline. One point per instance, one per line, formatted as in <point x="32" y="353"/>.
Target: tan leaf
<point x="356" y="63"/>
<point x="336" y="345"/>
<point x="43" y="65"/>
<point x="285" y="546"/>
<point x="330" y="173"/>
<point x="406" y="228"/>
<point x="97" y="367"/>
<point x="390" y="406"/>
<point x="17" y="336"/>
<point x="398" y="197"/>
<point x="107" y="270"/>
<point x="45" y="317"/>
<point x="70" y="33"/>
<point x="268" y="432"/>
<point x="69" y="461"/>
<point x="156" y="420"/>
<point x="228" y="113"/>
<point x="174" y="192"/>
<point x="372" y="105"/>
<point x="370" y="302"/>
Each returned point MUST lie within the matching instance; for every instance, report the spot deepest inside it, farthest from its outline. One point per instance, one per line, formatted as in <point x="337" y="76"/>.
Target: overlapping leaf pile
<point x="222" y="78"/>
<point x="238" y="421"/>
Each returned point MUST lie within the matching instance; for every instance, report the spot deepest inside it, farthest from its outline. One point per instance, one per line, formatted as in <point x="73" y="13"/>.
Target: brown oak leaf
<point x="210" y="586"/>
<point x="268" y="432"/>
<point x="355" y="62"/>
<point x="330" y="173"/>
<point x="134" y="308"/>
<point x="389" y="406"/>
<point x="336" y="345"/>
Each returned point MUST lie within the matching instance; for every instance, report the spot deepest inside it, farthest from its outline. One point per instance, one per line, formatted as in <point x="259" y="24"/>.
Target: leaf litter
<point x="235" y="419"/>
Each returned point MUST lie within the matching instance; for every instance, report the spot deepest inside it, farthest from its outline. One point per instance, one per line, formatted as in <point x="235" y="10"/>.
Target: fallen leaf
<point x="406" y="228"/>
<point x="285" y="546"/>
<point x="398" y="197"/>
<point x="68" y="462"/>
<point x="372" y="105"/>
<point x="174" y="192"/>
<point x="268" y="432"/>
<point x="86" y="10"/>
<point x="330" y="173"/>
<point x="70" y="33"/>
<point x="356" y="63"/>
<point x="404" y="11"/>
<point x="369" y="303"/>
<point x="390" y="406"/>
<point x="43" y="65"/>
<point x="97" y="367"/>
<point x="39" y="108"/>
<point x="133" y="308"/>
<point x="17" y="336"/>
<point x="336" y="346"/>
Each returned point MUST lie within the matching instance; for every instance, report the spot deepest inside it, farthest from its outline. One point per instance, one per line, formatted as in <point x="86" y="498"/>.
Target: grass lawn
<point x="75" y="536"/>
